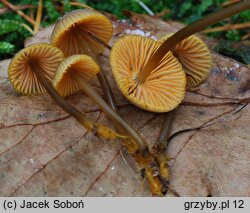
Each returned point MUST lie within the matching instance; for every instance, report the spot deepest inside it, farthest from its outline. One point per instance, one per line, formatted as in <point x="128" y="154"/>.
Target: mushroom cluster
<point x="33" y="69"/>
<point x="66" y="65"/>
<point x="31" y="72"/>
<point x="163" y="88"/>
<point x="153" y="75"/>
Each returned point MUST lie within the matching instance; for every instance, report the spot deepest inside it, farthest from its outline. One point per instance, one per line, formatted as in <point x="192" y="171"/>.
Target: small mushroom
<point x="31" y="71"/>
<point x="40" y="57"/>
<point x="73" y="73"/>
<point x="81" y="65"/>
<point x="195" y="58"/>
<point x="85" y="32"/>
<point x="163" y="89"/>
<point x="81" y="30"/>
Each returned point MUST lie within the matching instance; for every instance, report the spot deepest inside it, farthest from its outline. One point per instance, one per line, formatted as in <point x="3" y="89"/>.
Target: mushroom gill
<point x="78" y="28"/>
<point x="44" y="56"/>
<point x="163" y="89"/>
<point x="195" y="58"/>
<point x="73" y="71"/>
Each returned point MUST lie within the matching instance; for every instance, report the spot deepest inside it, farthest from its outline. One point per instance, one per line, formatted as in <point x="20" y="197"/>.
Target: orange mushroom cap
<point x="71" y="32"/>
<point x="84" y="65"/>
<point x="21" y="76"/>
<point x="195" y="58"/>
<point x="163" y="89"/>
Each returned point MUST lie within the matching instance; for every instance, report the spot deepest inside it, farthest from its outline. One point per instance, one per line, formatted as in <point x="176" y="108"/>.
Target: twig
<point x="23" y="7"/>
<point x="27" y="27"/>
<point x="145" y="7"/>
<point x="31" y="13"/>
<point x="162" y="13"/>
<point x="227" y="27"/>
<point x="245" y="37"/>
<point x="38" y="16"/>
<point x="227" y="3"/>
<point x="81" y="5"/>
<point x="19" y="12"/>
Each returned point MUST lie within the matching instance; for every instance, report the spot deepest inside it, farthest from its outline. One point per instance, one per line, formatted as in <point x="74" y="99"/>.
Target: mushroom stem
<point x="156" y="185"/>
<point x="186" y="32"/>
<point x="79" y="116"/>
<point x="159" y="148"/>
<point x="136" y="146"/>
<point x="108" y="95"/>
<point x="165" y="131"/>
<point x="110" y="113"/>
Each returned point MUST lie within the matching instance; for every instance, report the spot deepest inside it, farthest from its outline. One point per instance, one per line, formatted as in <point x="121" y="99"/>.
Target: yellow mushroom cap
<point x="63" y="81"/>
<point x="70" y="32"/>
<point x="21" y="76"/>
<point x="195" y="58"/>
<point x="163" y="89"/>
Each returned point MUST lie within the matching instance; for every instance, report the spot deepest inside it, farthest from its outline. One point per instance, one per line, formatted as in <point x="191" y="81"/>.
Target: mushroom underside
<point x="195" y="58"/>
<point x="163" y="89"/>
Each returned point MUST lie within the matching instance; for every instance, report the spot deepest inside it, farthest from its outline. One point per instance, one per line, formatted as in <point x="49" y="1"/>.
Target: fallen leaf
<point x="44" y="152"/>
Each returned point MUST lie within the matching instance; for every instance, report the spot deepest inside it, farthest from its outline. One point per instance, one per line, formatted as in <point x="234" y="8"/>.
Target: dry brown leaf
<point x="44" y="152"/>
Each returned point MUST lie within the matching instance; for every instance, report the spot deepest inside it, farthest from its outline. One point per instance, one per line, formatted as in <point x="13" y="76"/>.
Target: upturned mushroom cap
<point x="71" y="32"/>
<point x="163" y="89"/>
<point x="63" y="81"/>
<point x="45" y="56"/>
<point x="195" y="58"/>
